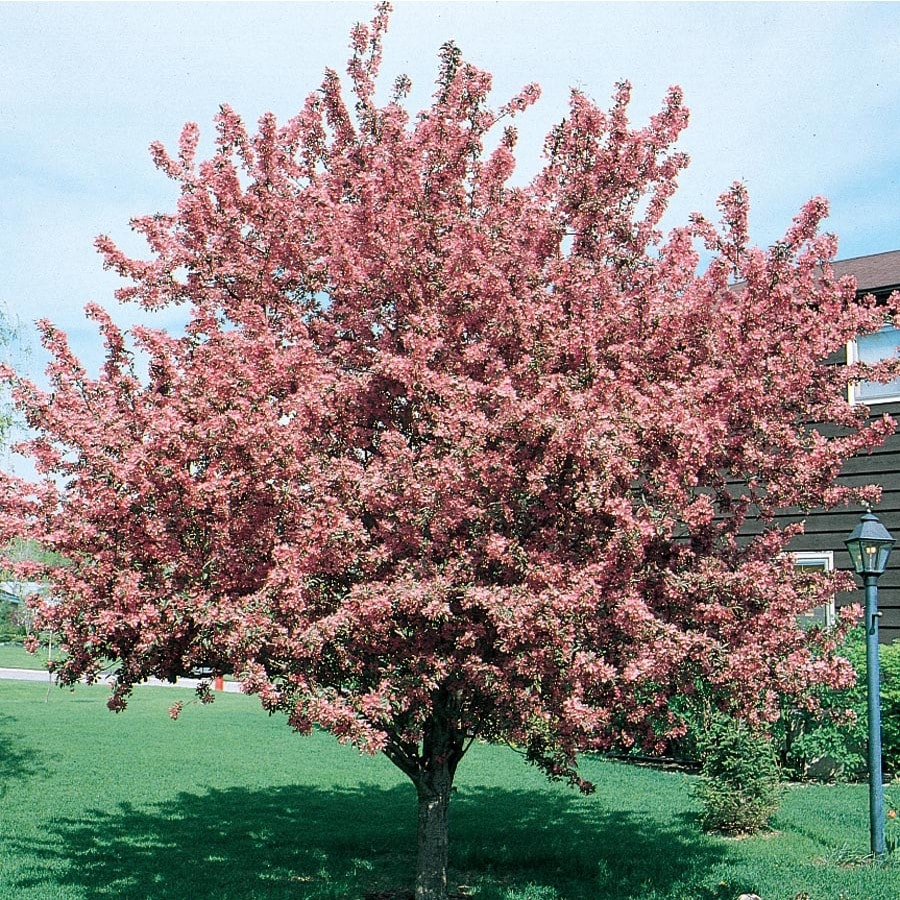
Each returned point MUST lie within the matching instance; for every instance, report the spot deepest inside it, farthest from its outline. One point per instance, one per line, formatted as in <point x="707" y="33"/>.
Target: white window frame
<point x="824" y="561"/>
<point x="853" y="358"/>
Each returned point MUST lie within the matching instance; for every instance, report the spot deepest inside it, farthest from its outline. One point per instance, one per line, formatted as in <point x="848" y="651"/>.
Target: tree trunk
<point x="434" y="835"/>
<point x="431" y="768"/>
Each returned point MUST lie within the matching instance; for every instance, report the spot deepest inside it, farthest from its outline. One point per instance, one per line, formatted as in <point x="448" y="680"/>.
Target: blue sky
<point x="793" y="99"/>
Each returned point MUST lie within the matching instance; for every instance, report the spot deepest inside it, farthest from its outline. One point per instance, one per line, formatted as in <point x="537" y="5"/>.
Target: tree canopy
<point x="441" y="458"/>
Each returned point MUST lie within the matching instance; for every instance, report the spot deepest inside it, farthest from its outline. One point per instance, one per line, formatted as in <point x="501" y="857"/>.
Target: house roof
<point x="879" y="270"/>
<point x="878" y="273"/>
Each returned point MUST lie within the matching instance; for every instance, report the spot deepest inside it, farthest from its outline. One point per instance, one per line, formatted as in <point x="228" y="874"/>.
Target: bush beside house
<point x="832" y="743"/>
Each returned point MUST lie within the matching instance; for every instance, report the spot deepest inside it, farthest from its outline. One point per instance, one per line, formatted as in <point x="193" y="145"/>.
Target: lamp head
<point x="870" y="545"/>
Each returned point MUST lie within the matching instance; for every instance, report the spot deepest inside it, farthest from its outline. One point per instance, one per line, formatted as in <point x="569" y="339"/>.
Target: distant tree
<point x="13" y="353"/>
<point x="15" y="618"/>
<point x="439" y="458"/>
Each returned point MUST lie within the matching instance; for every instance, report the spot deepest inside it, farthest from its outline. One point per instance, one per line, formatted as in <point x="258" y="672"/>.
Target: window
<point x="816" y="562"/>
<point x="873" y="348"/>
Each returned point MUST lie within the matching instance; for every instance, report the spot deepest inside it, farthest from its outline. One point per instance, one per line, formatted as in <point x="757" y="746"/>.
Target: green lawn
<point x="14" y="656"/>
<point x="228" y="804"/>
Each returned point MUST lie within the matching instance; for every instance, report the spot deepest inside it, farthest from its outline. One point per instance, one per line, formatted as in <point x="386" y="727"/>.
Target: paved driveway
<point x="231" y="687"/>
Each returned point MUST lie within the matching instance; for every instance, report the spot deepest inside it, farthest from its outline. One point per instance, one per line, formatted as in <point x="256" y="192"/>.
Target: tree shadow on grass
<point x="312" y="843"/>
<point x="17" y="760"/>
<point x="297" y="842"/>
<point x="537" y="845"/>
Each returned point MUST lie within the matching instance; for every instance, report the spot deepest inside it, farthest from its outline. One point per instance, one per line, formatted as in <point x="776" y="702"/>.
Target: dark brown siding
<point x="878" y="275"/>
<point x="827" y="530"/>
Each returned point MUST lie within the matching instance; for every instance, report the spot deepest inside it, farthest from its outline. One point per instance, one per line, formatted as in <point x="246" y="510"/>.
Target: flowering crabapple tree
<point x="439" y="458"/>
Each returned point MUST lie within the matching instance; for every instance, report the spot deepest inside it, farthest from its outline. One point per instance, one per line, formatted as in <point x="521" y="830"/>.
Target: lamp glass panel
<point x="870" y="557"/>
<point x="855" y="555"/>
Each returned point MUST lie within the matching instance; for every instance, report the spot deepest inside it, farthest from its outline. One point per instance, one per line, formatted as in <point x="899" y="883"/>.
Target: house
<point x="8" y="597"/>
<point x="822" y="544"/>
<point x="17" y="592"/>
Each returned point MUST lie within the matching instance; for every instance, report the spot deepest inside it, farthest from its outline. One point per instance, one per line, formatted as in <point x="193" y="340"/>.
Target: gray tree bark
<point x="434" y="833"/>
<point x="431" y="768"/>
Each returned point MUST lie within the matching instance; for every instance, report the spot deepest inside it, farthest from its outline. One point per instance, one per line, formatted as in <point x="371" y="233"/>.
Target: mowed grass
<point x="229" y="803"/>
<point x="14" y="656"/>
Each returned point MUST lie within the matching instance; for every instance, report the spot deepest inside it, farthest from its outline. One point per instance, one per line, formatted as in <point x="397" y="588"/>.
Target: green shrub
<point x="740" y="785"/>
<point x="821" y="747"/>
<point x="802" y="738"/>
<point x="889" y="663"/>
<point x="828" y="744"/>
<point x="12" y="626"/>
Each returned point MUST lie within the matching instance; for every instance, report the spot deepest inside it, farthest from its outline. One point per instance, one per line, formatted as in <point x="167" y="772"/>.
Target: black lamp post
<point x="870" y="546"/>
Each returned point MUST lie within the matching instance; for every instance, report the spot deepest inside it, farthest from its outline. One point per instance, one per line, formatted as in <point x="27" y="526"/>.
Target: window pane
<point x="873" y="348"/>
<point x="823" y="615"/>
